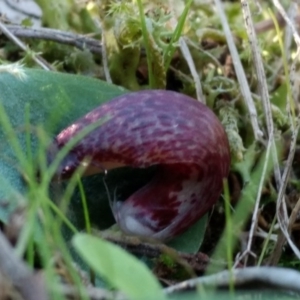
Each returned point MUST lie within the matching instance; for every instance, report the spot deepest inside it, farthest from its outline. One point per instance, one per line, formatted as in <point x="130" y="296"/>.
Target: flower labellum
<point x="180" y="135"/>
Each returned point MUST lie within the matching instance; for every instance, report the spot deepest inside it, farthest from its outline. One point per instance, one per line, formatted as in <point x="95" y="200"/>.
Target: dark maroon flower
<point x="156" y="127"/>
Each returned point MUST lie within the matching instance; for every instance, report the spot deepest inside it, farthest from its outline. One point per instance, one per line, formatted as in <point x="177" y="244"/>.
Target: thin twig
<point x="68" y="38"/>
<point x="279" y="278"/>
<point x="37" y="58"/>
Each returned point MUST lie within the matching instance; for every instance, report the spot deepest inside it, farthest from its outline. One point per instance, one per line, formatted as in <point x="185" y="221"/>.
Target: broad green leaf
<point x="53" y="100"/>
<point x="117" y="267"/>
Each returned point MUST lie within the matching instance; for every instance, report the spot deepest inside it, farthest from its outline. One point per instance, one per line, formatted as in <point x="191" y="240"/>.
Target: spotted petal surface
<point x="156" y="127"/>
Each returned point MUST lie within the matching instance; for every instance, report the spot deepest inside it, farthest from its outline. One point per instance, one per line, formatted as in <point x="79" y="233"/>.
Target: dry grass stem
<point x="253" y="227"/>
<point x="265" y="235"/>
<point x="38" y="59"/>
<point x="264" y="94"/>
<point x="294" y="216"/>
<point x="279" y="278"/>
<point x="281" y="210"/>
<point x="49" y="34"/>
<point x="288" y="21"/>
<point x="240" y="73"/>
<point x="189" y="59"/>
<point x="105" y="60"/>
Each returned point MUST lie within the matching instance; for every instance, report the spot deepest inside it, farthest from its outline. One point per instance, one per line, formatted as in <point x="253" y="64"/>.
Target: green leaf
<point x="191" y="240"/>
<point x="120" y="269"/>
<point x="278" y="97"/>
<point x="245" y="167"/>
<point x="53" y="101"/>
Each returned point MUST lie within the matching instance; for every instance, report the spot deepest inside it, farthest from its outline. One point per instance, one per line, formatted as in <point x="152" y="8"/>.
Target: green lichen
<point x="229" y="119"/>
<point x="280" y="119"/>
